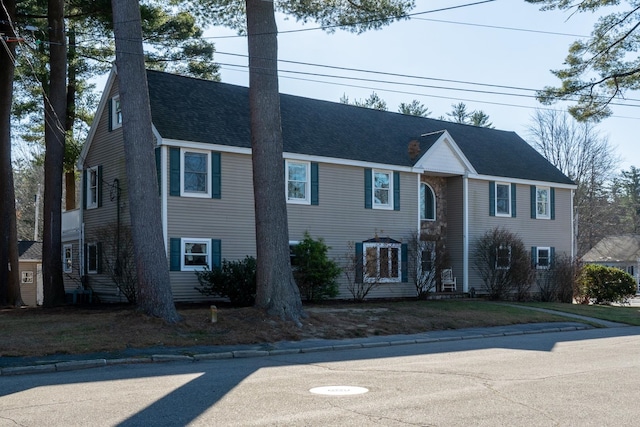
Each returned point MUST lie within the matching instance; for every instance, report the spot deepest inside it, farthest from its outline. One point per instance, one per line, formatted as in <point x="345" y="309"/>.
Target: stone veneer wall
<point x="437" y="228"/>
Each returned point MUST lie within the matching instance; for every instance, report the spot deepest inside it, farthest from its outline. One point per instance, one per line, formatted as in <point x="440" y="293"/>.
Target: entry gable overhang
<point x="444" y="156"/>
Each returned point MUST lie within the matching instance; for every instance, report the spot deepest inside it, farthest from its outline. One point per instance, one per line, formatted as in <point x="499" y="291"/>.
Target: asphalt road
<point x="579" y="378"/>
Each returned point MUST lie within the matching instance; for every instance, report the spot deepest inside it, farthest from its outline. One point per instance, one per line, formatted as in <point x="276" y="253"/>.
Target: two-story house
<point x="363" y="180"/>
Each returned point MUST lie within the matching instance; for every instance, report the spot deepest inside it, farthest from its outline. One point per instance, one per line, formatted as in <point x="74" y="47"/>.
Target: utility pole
<point x="37" y="215"/>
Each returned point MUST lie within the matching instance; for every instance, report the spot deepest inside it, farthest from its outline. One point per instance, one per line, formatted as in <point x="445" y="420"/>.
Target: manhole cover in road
<point x="339" y="390"/>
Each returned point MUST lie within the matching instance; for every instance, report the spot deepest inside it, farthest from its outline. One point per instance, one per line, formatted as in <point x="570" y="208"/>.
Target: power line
<point x="378" y="89"/>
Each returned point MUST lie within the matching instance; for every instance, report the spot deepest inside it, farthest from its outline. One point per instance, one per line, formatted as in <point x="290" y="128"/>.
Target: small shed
<point x="30" y="265"/>
<point x="622" y="252"/>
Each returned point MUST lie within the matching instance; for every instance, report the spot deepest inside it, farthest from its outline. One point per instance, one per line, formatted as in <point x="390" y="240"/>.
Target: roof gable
<point x="444" y="156"/>
<point x="29" y="250"/>
<point x="615" y="249"/>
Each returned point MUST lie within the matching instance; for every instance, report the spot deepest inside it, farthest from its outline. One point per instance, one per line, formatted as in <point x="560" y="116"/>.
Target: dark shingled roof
<point x="189" y="109"/>
<point x="29" y="250"/>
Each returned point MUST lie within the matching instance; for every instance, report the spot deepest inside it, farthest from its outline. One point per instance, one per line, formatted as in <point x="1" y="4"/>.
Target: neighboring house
<point x="363" y="180"/>
<point x="622" y="252"/>
<point x="30" y="265"/>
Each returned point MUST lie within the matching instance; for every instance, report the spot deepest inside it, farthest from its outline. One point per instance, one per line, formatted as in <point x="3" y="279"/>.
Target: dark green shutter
<point x="404" y="265"/>
<point x="368" y="195"/>
<point x="513" y="200"/>
<point x="84" y="189"/>
<point x="552" y="202"/>
<point x="110" y="124"/>
<point x="552" y="256"/>
<point x="174" y="171"/>
<point x="359" y="264"/>
<point x="174" y="254"/>
<point x="99" y="257"/>
<point x="216" y="176"/>
<point x="534" y="256"/>
<point x="492" y="198"/>
<point x="158" y="155"/>
<point x="315" y="184"/>
<point x="99" y="185"/>
<point x="396" y="191"/>
<point x="533" y="202"/>
<point x="216" y="253"/>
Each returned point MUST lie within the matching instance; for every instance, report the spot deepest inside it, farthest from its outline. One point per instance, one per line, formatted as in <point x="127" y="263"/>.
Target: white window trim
<point x="183" y="242"/>
<point x="548" y="215"/>
<point x="307" y="189"/>
<point x="26" y="277"/>
<point x="435" y="210"/>
<point x="542" y="248"/>
<point x="497" y="251"/>
<point x="115" y="123"/>
<point x="508" y="213"/>
<point x="67" y="263"/>
<point x="374" y="205"/>
<point x="92" y="204"/>
<point x="202" y="194"/>
<point x="367" y="278"/>
<point x="89" y="246"/>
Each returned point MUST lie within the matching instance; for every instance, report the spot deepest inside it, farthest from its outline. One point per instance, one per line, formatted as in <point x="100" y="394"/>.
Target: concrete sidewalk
<point x="599" y="322"/>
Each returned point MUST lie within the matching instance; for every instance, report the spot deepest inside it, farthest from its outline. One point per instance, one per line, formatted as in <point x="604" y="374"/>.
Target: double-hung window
<point x="116" y="113"/>
<point x="503" y="257"/>
<point x="92" y="258"/>
<point x="503" y="199"/>
<point x="543" y="203"/>
<point x="382" y="262"/>
<point x="298" y="182"/>
<point x="92" y="186"/>
<point x="67" y="258"/>
<point x="427" y="258"/>
<point x="382" y="190"/>
<point x="196" y="166"/>
<point x="542" y="257"/>
<point x="196" y="254"/>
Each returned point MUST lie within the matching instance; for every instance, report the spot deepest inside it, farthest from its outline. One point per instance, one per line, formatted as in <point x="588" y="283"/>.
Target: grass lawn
<point x="621" y="314"/>
<point x="95" y="328"/>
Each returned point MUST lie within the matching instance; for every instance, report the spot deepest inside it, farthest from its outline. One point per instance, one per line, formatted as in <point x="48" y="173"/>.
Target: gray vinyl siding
<point x="533" y="232"/>
<point x="455" y="230"/>
<point x="229" y="219"/>
<point x="339" y="218"/>
<point x="107" y="151"/>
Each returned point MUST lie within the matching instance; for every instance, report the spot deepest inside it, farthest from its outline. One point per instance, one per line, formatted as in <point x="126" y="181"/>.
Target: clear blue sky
<point x="484" y="44"/>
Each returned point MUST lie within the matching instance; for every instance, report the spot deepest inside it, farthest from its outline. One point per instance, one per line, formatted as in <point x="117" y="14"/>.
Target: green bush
<point x="313" y="271"/>
<point x="604" y="285"/>
<point x="235" y="280"/>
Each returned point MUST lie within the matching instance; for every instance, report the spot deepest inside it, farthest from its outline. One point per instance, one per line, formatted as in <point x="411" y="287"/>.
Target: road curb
<point x="456" y="335"/>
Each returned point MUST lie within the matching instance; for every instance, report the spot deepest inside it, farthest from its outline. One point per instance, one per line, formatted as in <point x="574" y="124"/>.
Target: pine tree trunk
<point x="154" y="295"/>
<point x="54" y="135"/>
<point x="277" y="292"/>
<point x="69" y="173"/>
<point x="9" y="272"/>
